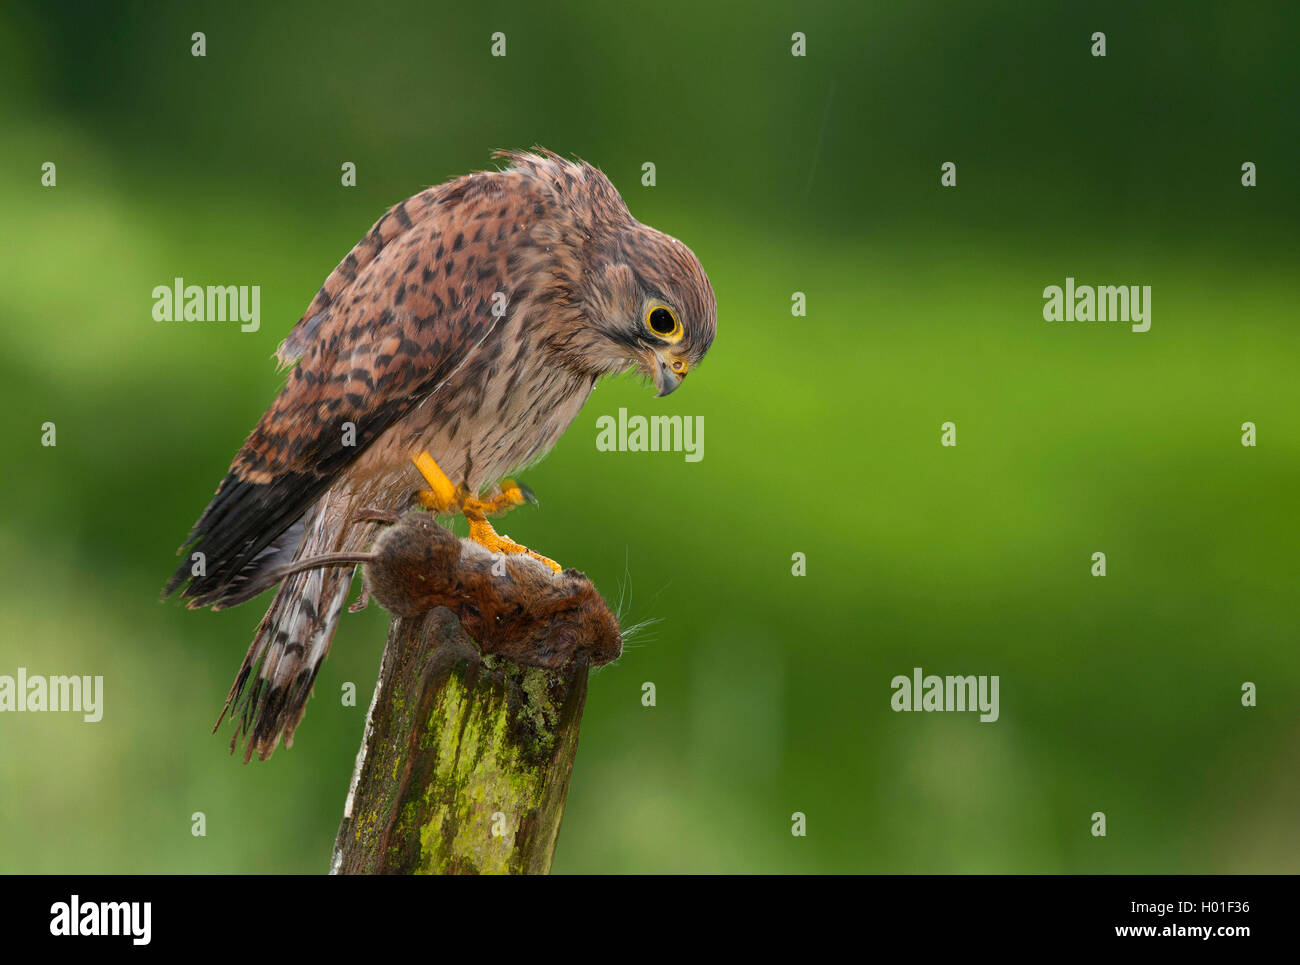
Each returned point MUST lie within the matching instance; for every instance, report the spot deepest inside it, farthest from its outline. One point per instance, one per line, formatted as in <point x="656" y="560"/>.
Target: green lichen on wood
<point x="467" y="760"/>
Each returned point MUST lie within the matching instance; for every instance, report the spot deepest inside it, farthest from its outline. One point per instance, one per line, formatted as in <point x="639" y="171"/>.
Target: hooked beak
<point x="669" y="372"/>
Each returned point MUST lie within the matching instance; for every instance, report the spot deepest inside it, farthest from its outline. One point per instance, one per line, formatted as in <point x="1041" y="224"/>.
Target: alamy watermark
<point x="131" y="919"/>
<point x="179" y="302"/>
<point x="1102" y="303"/>
<point x="659" y="433"/>
<point x="930" y="692"/>
<point x="35" y="693"/>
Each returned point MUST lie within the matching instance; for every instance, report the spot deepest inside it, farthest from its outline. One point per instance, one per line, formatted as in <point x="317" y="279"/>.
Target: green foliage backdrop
<point x="816" y="174"/>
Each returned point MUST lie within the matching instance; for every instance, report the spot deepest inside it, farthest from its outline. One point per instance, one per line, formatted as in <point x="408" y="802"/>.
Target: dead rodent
<point x="523" y="611"/>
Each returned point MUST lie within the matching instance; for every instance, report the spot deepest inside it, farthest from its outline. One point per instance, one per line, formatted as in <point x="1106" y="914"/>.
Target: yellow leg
<point x="443" y="497"/>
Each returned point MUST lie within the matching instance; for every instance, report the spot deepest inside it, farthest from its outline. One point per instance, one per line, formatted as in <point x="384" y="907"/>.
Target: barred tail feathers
<point x="269" y="695"/>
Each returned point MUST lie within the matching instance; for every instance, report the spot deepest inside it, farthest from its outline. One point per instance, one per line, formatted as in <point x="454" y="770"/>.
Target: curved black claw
<point x="530" y="497"/>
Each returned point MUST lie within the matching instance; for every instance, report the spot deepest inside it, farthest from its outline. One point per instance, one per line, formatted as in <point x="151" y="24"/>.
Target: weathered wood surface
<point x="466" y="759"/>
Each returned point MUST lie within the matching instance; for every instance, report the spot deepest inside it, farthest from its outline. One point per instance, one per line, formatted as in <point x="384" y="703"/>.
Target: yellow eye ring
<point x="662" y="321"/>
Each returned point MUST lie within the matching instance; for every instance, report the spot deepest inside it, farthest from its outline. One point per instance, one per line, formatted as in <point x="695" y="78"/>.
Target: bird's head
<point x="650" y="307"/>
<point x="629" y="297"/>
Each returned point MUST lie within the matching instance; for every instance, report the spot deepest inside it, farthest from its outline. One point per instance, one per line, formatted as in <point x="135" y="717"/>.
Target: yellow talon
<point x="511" y="494"/>
<point x="482" y="532"/>
<point x="443" y="497"/>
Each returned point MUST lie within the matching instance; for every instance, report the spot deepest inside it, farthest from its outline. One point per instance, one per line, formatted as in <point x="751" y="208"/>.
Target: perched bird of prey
<point x="451" y="347"/>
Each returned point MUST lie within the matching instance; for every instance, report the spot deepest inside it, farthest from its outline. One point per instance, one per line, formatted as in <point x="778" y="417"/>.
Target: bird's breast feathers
<point x="502" y="410"/>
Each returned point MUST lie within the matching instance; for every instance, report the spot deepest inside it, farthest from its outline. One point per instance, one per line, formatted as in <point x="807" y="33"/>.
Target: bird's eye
<point x="663" y="323"/>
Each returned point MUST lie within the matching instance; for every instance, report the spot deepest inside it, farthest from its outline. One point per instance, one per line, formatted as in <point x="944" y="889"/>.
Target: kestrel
<point x="451" y="347"/>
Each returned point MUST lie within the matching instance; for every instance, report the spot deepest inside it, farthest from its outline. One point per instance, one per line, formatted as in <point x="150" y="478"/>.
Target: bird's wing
<point x="395" y="319"/>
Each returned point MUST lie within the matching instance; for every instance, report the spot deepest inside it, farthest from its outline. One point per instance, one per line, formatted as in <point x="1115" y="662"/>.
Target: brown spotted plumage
<point x="471" y="323"/>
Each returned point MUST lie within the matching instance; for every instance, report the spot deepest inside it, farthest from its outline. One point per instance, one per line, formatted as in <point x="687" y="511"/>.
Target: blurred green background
<point x="816" y="174"/>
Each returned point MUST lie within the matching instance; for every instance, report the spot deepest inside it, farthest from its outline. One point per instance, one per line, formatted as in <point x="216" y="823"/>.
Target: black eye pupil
<point x="661" y="321"/>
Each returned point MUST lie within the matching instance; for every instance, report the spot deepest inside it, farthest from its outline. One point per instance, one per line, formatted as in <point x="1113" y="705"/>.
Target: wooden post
<point x="465" y="763"/>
